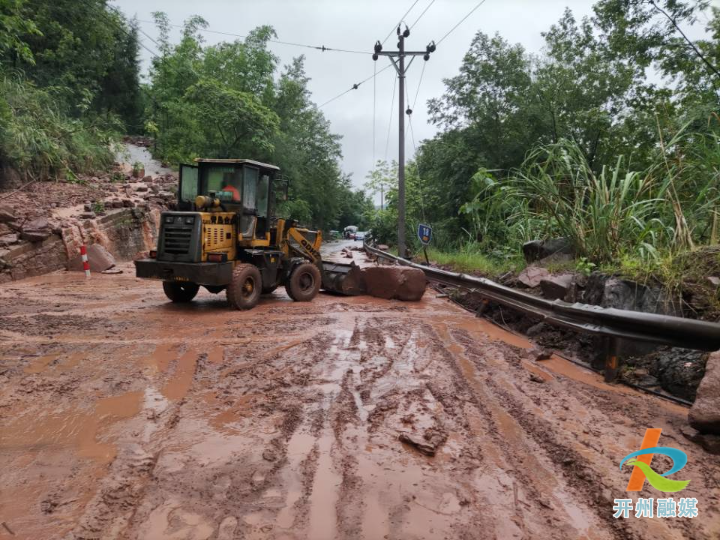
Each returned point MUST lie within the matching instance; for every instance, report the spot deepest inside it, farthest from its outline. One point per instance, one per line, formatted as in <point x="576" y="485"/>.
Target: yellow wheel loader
<point x="223" y="237"/>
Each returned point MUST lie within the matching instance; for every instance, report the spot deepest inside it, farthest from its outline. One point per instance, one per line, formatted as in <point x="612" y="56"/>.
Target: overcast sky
<point x="356" y="25"/>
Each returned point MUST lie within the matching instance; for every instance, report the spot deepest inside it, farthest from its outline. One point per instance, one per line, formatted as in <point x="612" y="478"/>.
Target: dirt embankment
<point x="125" y="416"/>
<point x="43" y="225"/>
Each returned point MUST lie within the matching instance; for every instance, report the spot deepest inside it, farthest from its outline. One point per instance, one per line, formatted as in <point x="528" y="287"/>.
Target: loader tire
<point x="180" y="292"/>
<point x="304" y="282"/>
<point x="245" y="288"/>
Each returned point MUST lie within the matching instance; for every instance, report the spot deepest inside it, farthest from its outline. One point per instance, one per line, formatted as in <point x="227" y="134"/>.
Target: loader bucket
<point x="342" y="278"/>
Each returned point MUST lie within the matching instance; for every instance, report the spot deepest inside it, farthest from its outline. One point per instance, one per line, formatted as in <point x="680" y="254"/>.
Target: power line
<point x="687" y="39"/>
<point x="392" y="106"/>
<point x="421" y="15"/>
<point x="355" y="86"/>
<point x="322" y="48"/>
<point x="401" y="19"/>
<point x="374" y="115"/>
<point x="123" y="29"/>
<point x="418" y="86"/>
<point x="148" y="36"/>
<point x="417" y="166"/>
<point x="461" y="21"/>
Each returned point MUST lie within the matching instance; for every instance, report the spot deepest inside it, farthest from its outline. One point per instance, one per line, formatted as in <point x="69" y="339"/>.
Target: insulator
<point x="406" y="33"/>
<point x="408" y="111"/>
<point x="378" y="46"/>
<point x="426" y="57"/>
<point x="375" y="57"/>
<point x="431" y="47"/>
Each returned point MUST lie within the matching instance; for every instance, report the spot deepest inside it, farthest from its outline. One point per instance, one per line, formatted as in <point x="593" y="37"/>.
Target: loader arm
<point x="306" y="248"/>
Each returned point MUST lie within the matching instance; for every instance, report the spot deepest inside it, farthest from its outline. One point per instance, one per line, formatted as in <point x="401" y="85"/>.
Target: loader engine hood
<point x="180" y="237"/>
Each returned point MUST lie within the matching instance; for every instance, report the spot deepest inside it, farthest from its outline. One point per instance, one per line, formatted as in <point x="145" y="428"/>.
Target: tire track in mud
<point x="343" y="418"/>
<point x="110" y="512"/>
<point x="586" y="468"/>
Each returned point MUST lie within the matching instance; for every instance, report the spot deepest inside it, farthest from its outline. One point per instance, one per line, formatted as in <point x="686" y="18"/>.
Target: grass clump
<point x="471" y="259"/>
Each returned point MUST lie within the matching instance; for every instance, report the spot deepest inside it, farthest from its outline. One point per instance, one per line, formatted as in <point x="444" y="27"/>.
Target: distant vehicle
<point x="349" y="232"/>
<point x="360" y="235"/>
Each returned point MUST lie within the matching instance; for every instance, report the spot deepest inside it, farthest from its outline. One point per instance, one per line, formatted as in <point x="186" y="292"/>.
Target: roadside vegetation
<point x="62" y="109"/>
<point x="581" y="142"/>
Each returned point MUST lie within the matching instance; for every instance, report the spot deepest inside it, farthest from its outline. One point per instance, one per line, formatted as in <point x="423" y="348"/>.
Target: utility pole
<point x="398" y="60"/>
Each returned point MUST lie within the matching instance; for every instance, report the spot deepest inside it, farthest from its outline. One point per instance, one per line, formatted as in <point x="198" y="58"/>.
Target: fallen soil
<point x="125" y="416"/>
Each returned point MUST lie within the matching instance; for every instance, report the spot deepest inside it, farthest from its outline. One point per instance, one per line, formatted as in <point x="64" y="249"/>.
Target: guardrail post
<point x="612" y="358"/>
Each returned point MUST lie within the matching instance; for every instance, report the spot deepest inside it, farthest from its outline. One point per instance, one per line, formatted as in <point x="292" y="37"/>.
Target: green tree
<point x="232" y="123"/>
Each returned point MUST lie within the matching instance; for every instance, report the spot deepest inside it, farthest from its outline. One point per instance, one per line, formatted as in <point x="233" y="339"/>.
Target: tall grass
<point x="669" y="206"/>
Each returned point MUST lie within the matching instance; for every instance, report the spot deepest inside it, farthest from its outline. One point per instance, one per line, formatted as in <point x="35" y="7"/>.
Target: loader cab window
<point x="225" y="182"/>
<point x="250" y="189"/>
<point x="188" y="183"/>
<point x="263" y="194"/>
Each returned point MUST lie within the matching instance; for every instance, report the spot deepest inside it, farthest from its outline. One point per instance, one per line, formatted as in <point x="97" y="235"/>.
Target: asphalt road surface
<point x="125" y="416"/>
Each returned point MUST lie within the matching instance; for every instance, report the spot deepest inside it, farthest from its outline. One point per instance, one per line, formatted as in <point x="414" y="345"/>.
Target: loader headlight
<point x="169" y="219"/>
<point x="189" y="220"/>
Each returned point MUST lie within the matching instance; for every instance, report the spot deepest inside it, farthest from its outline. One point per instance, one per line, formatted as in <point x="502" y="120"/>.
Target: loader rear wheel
<point x="245" y="288"/>
<point x="304" y="283"/>
<point x="180" y="292"/>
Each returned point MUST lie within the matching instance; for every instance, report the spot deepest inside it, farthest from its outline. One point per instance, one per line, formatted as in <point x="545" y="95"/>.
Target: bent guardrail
<point x="610" y="323"/>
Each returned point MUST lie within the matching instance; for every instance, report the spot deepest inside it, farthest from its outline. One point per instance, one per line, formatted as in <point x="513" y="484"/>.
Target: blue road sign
<point x="424" y="234"/>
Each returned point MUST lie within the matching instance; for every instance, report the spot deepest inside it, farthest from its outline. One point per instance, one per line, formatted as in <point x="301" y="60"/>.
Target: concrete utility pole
<point x="398" y="60"/>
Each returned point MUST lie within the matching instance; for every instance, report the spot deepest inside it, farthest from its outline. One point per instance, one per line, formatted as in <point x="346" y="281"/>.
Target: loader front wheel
<point x="245" y="288"/>
<point x="304" y="282"/>
<point x="180" y="292"/>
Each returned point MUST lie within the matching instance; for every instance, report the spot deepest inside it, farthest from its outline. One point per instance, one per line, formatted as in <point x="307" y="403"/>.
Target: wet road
<point x="125" y="416"/>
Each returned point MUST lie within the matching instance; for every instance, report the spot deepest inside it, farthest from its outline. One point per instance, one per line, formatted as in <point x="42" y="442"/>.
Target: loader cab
<point x="241" y="186"/>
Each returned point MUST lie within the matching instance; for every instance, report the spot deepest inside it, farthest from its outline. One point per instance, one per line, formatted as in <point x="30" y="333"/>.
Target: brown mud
<point x="125" y="416"/>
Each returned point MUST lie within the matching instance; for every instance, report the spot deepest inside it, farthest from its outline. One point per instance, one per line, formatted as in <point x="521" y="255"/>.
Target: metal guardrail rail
<point x="610" y="323"/>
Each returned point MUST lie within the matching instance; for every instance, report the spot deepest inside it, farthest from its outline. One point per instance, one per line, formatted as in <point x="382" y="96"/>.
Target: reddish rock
<point x="532" y="276"/>
<point x="99" y="258"/>
<point x="705" y="412"/>
<point x="391" y="282"/>
<point x="9" y="239"/>
<point x="36" y="230"/>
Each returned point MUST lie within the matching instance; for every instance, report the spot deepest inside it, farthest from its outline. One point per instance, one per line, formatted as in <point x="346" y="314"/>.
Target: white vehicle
<point x="360" y="235"/>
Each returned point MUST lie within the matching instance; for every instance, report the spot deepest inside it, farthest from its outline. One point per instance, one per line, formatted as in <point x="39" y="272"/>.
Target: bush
<point x="39" y="140"/>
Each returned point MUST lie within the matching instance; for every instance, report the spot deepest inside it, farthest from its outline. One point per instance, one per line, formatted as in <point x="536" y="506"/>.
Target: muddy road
<point x="125" y="416"/>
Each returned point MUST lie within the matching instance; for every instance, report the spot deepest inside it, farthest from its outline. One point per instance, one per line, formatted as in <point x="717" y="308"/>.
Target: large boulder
<point x="705" y="413"/>
<point x="398" y="282"/>
<point x="536" y="250"/>
<point x="531" y="276"/>
<point x="556" y="287"/>
<point x="36" y="230"/>
<point x="100" y="259"/>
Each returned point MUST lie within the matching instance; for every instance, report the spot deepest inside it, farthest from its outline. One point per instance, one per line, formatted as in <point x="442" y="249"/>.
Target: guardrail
<point x="610" y="323"/>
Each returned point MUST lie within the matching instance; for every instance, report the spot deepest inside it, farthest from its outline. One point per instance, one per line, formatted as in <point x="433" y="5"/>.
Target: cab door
<point x="189" y="187"/>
